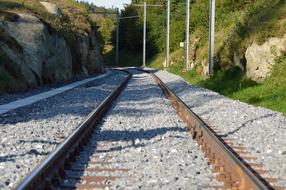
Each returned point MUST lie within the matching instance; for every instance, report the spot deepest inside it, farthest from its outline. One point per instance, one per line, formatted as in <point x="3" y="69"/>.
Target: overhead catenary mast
<point x="187" y="34"/>
<point x="144" y="35"/>
<point x="168" y="35"/>
<point x="211" y="36"/>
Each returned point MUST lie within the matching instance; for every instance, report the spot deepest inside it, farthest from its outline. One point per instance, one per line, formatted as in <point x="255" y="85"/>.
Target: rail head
<point x="55" y="161"/>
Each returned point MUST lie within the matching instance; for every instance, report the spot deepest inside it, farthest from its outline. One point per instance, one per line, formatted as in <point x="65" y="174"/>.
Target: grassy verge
<point x="271" y="94"/>
<point x="234" y="84"/>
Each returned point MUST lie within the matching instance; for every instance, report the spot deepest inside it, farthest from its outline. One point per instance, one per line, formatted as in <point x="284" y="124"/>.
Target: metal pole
<point x="211" y="36"/>
<point x="187" y="34"/>
<point x="168" y="34"/>
<point x="144" y="35"/>
<point x="117" y="38"/>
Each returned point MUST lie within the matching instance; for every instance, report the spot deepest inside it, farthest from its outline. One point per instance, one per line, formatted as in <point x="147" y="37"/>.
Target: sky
<point x="109" y="3"/>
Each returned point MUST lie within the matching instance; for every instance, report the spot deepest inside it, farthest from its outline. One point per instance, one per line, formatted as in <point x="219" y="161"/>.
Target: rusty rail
<point x="234" y="173"/>
<point x="54" y="165"/>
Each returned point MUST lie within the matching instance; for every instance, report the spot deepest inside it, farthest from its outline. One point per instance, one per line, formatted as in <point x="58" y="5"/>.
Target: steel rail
<point x="58" y="159"/>
<point x="233" y="172"/>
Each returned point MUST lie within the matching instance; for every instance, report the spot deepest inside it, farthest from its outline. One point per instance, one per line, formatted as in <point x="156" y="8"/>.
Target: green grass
<point x="227" y="82"/>
<point x="156" y="61"/>
<point x="234" y="84"/>
<point x="190" y="76"/>
<point x="271" y="94"/>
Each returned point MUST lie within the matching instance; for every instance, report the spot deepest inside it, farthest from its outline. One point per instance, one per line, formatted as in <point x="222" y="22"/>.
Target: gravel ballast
<point x="143" y="133"/>
<point x="261" y="130"/>
<point x="30" y="133"/>
<point x="6" y="98"/>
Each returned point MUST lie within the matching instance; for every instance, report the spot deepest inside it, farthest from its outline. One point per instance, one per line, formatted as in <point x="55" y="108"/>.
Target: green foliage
<point x="75" y="14"/>
<point x="106" y="29"/>
<point x="238" y="24"/>
<point x="125" y="59"/>
<point x="132" y="30"/>
<point x="190" y="76"/>
<point x="156" y="61"/>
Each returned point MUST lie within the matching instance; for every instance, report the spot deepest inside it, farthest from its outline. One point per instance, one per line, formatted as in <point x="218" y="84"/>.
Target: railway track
<point x="75" y="164"/>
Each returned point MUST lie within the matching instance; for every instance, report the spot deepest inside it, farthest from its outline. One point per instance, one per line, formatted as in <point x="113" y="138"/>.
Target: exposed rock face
<point x="87" y="54"/>
<point x="39" y="56"/>
<point x="94" y="62"/>
<point x="261" y="58"/>
<point x="94" y="59"/>
<point x="81" y="54"/>
<point x="52" y="8"/>
<point x="34" y="56"/>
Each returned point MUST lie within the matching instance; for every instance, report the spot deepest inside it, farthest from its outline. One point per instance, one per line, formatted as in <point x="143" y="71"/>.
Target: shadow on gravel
<point x="245" y="124"/>
<point x="201" y="98"/>
<point x="13" y="157"/>
<point x="116" y="136"/>
<point x="137" y="102"/>
<point x="39" y="142"/>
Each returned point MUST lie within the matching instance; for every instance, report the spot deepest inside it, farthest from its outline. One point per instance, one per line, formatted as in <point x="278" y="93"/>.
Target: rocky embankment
<point x="33" y="54"/>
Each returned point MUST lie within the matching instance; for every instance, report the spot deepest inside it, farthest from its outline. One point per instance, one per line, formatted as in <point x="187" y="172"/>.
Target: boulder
<point x="261" y="58"/>
<point x="52" y="8"/>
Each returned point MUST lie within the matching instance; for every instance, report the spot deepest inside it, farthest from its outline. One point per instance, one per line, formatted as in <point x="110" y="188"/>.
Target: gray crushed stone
<point x="261" y="130"/>
<point x="143" y="133"/>
<point x="30" y="133"/>
<point x="10" y="97"/>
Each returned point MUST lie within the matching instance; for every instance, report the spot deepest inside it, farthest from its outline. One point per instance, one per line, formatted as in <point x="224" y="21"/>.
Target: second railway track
<point x="111" y="152"/>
